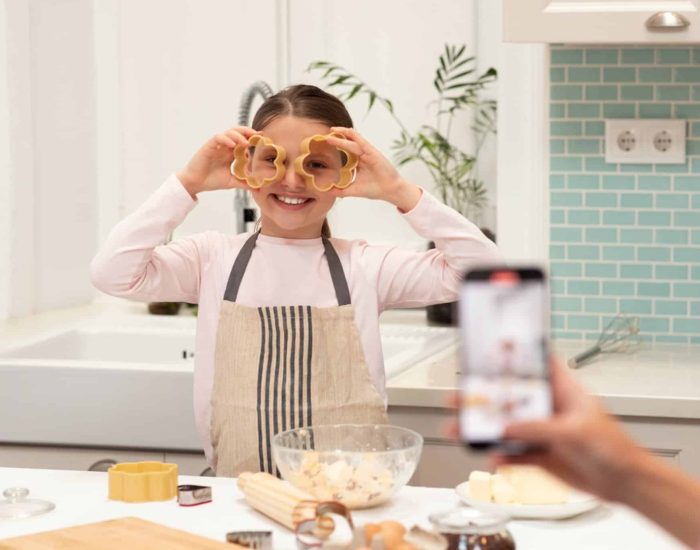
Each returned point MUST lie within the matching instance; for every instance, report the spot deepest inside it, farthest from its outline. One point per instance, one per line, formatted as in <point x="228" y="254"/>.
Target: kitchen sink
<point x="131" y="384"/>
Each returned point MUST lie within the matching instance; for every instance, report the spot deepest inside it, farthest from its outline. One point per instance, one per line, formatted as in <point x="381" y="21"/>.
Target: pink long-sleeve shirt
<point x="134" y="264"/>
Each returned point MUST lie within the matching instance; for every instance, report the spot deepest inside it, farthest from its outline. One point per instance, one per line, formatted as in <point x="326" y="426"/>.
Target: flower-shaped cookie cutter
<point x="242" y="158"/>
<point x="313" y="531"/>
<point x="347" y="171"/>
<point x="142" y="481"/>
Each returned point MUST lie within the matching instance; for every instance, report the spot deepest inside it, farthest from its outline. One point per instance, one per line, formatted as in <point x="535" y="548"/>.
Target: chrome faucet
<point x="241" y="200"/>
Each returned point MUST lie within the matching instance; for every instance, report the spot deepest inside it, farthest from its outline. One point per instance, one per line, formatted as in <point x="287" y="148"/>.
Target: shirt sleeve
<point x="408" y="278"/>
<point x="133" y="262"/>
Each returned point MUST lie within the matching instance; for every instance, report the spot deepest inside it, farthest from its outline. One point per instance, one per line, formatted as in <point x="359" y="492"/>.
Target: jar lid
<point x="16" y="504"/>
<point x="468" y="521"/>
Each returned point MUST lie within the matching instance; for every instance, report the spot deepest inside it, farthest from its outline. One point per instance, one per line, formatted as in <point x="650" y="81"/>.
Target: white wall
<point x="183" y="66"/>
<point x="63" y="110"/>
<point x="186" y="74"/>
<point x="105" y="98"/>
<point x="394" y="47"/>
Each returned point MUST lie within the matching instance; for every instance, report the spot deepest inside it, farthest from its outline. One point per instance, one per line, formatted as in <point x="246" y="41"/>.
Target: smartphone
<point x="504" y="326"/>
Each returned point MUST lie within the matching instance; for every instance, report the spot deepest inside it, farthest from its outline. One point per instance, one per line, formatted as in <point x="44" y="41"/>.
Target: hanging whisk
<point x="618" y="335"/>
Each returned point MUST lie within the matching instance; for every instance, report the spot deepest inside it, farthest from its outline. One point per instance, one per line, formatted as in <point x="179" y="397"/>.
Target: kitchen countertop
<point x="81" y="497"/>
<point x="659" y="380"/>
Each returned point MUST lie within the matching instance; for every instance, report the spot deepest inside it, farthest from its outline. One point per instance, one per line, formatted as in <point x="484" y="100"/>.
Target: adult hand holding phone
<point x="586" y="447"/>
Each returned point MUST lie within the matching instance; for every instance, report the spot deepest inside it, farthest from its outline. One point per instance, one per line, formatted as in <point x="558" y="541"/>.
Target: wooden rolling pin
<point x="283" y="502"/>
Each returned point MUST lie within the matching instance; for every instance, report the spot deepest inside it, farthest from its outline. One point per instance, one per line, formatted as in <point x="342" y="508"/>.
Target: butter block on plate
<point x="533" y="485"/>
<point x="480" y="485"/>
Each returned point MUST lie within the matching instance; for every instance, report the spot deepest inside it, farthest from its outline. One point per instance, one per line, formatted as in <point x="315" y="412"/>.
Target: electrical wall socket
<point x="645" y="141"/>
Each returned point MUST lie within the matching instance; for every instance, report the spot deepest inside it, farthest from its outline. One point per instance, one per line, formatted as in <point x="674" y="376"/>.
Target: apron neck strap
<point x="340" y="283"/>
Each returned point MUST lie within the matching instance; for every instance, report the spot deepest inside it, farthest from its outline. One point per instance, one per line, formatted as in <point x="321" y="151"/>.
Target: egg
<point x="392" y="533"/>
<point x="371" y="529"/>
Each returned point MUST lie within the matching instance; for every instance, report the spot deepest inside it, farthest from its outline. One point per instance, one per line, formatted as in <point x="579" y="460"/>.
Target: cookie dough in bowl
<point x="359" y="465"/>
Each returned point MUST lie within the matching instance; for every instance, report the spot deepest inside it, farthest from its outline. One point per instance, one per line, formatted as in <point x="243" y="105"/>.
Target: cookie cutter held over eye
<point x="347" y="171"/>
<point x="242" y="158"/>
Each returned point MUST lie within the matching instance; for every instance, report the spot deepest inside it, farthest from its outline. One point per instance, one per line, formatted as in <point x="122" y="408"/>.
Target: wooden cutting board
<point x="115" y="534"/>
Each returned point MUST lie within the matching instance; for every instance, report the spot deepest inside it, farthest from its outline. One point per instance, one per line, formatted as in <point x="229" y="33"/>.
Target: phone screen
<point x="504" y="322"/>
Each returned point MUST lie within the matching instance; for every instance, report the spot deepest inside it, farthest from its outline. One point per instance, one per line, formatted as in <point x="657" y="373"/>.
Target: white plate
<point x="577" y="504"/>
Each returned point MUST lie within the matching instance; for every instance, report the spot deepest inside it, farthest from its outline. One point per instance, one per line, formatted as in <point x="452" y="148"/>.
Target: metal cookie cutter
<point x="192" y="495"/>
<point x="312" y="533"/>
<point x="260" y="540"/>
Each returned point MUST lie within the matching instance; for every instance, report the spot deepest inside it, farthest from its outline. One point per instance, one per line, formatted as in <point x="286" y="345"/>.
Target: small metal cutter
<point x="260" y="540"/>
<point x="192" y="495"/>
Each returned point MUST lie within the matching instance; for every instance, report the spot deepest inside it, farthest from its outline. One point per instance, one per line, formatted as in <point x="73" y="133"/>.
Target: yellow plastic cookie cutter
<point x="142" y="481"/>
<point x="241" y="159"/>
<point x="347" y="172"/>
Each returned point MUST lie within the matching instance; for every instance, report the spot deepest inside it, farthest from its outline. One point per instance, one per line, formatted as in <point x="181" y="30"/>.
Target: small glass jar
<point x="471" y="529"/>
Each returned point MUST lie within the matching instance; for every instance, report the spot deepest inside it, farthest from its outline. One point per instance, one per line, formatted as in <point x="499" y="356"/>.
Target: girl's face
<point x="290" y="208"/>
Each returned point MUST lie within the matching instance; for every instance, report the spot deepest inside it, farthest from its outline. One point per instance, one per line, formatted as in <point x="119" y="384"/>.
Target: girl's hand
<point x="209" y="168"/>
<point x="376" y="177"/>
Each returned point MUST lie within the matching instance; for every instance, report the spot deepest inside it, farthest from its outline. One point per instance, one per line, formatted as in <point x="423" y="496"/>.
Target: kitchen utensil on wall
<point x="620" y="333"/>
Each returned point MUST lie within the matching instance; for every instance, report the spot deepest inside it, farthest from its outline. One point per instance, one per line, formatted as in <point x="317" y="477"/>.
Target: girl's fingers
<point x="353" y="135"/>
<point x="347" y="145"/>
<point x="225" y="140"/>
<point x="244" y="131"/>
<point x="236" y="136"/>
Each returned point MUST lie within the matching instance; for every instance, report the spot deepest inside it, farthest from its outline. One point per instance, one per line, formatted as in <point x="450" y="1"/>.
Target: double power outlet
<point x="645" y="141"/>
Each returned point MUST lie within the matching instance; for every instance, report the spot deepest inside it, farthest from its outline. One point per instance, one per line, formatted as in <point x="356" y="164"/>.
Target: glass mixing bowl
<point x="359" y="465"/>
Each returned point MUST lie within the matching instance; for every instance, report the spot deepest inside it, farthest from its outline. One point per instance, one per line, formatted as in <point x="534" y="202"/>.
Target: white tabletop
<point x="81" y="497"/>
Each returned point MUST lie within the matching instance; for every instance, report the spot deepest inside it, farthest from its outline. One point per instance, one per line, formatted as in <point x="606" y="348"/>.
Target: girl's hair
<point x="304" y="101"/>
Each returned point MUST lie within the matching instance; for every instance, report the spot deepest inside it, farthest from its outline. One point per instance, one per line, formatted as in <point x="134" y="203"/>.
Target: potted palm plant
<point x="459" y="88"/>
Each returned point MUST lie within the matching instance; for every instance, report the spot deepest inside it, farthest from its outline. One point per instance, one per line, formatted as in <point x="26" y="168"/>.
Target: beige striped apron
<point x="283" y="367"/>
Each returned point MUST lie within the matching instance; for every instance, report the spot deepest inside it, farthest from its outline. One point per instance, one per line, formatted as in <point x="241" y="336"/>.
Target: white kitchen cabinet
<point x="673" y="439"/>
<point x="67" y="458"/>
<point x="596" y="21"/>
<point x="75" y="458"/>
<point x="446" y="463"/>
<point x="189" y="464"/>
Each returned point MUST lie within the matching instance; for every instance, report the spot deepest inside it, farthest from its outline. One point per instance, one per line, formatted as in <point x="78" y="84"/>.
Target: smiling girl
<point x="288" y="325"/>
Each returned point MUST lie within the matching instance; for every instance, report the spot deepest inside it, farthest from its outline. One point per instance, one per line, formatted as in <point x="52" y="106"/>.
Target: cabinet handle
<point x="667" y="21"/>
<point x="102" y="465"/>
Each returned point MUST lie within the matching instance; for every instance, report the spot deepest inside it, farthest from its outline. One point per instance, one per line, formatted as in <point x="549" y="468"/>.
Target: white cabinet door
<point x="189" y="464"/>
<point x="596" y="21"/>
<point x="68" y="458"/>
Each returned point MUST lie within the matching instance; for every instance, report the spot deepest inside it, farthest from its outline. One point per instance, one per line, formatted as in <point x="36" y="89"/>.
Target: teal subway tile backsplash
<point x="671" y="236"/>
<point x="635" y="306"/>
<point x="636" y="56"/>
<point x="655" y="110"/>
<point x="671" y="307"/>
<point x="655" y="74"/>
<point x="619" y="74"/>
<point x="636" y="92"/>
<point x="602" y="56"/>
<point x="673" y="93"/>
<point x="624" y="237"/>
<point x="687" y="74"/>
<point x="600" y="270"/>
<point x="584" y="74"/>
<point x="674" y="56"/>
<point x="612" y="182"/>
<point x="567" y="56"/>
<point x="654" y="183"/>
